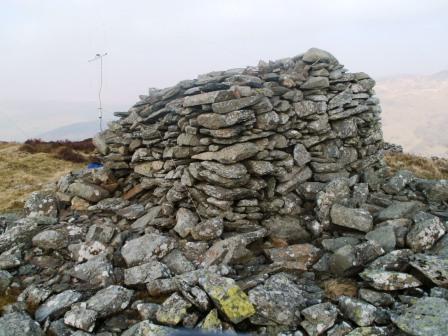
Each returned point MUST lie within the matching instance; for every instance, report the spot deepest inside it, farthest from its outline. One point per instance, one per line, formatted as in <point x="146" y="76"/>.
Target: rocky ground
<point x="267" y="213"/>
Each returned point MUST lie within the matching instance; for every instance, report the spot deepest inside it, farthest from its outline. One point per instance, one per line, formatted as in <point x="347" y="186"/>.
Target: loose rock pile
<point x="252" y="200"/>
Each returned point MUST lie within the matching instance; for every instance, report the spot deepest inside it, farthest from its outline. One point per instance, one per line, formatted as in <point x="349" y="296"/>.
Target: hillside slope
<point x="21" y="173"/>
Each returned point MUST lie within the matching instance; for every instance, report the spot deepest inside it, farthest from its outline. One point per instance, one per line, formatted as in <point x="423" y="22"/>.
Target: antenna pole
<point x="100" y="108"/>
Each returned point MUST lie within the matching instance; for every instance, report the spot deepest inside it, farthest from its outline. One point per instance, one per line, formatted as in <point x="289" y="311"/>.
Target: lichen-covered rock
<point x="146" y="248"/>
<point x="144" y="273"/>
<point x="299" y="256"/>
<point x="173" y="310"/>
<point x="360" y="312"/>
<point x="227" y="297"/>
<point x="208" y="230"/>
<point x="435" y="268"/>
<point x="389" y="280"/>
<point x="358" y="219"/>
<point x="110" y="300"/>
<point x="277" y="302"/>
<point x="42" y="203"/>
<point x="426" y="231"/>
<point x="87" y="191"/>
<point x="50" y="239"/>
<point x="57" y="305"/>
<point x="428" y="316"/>
<point x="18" y="324"/>
<point x="81" y="318"/>
<point x="319" y="318"/>
<point x="147" y="328"/>
<point x="5" y="280"/>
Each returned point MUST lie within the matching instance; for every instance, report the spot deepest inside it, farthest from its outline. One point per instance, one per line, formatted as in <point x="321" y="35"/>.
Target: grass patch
<point x="429" y="168"/>
<point x="22" y="173"/>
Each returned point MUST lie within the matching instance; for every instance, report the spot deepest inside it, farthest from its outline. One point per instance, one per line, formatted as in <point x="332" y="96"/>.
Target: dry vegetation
<point x="421" y="166"/>
<point x="22" y="172"/>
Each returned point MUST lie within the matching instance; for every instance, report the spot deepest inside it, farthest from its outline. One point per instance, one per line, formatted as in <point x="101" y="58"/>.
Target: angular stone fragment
<point x="110" y="300"/>
<point x="145" y="273"/>
<point x="399" y="210"/>
<point x="297" y="176"/>
<point x="173" y="310"/>
<point x="301" y="155"/>
<point x="315" y="55"/>
<point x="216" y="121"/>
<point x="376" y="298"/>
<point x="319" y="318"/>
<point x="389" y="280"/>
<point x="315" y="83"/>
<point x="207" y="98"/>
<point x="146" y="248"/>
<point x="227" y="297"/>
<point x="149" y="168"/>
<point x="384" y="236"/>
<point x="42" y="203"/>
<point x="81" y="318"/>
<point x="287" y="228"/>
<point x="428" y="316"/>
<point x="208" y="229"/>
<point x="147" y="328"/>
<point x="427" y="229"/>
<point x="185" y="221"/>
<point x="50" y="239"/>
<point x="230" y="171"/>
<point x="57" y="305"/>
<point x="5" y="281"/>
<point x="96" y="271"/>
<point x="298" y="257"/>
<point x="398" y="182"/>
<point x="211" y="322"/>
<point x="435" y="268"/>
<point x="18" y="324"/>
<point x="368" y="331"/>
<point x="89" y="192"/>
<point x="277" y="302"/>
<point x="235" y="104"/>
<point x="360" y="312"/>
<point x="358" y="219"/>
<point x="230" y="154"/>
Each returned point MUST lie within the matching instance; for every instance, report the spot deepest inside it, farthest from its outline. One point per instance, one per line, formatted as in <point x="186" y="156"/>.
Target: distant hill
<point x="74" y="132"/>
<point x="415" y="112"/>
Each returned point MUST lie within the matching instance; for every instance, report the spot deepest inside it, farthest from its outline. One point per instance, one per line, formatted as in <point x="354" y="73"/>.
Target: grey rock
<point x="147" y="328"/>
<point x="301" y="155"/>
<point x="57" y="305"/>
<point x="230" y="154"/>
<point x="81" y="318"/>
<point x="358" y="219"/>
<point x="315" y="55"/>
<point x="397" y="182"/>
<point x="427" y="229"/>
<point x="185" y="222"/>
<point x="5" y="280"/>
<point x="376" y="298"/>
<point x="287" y="228"/>
<point x="42" y="203"/>
<point x="360" y="312"/>
<point x="88" y="191"/>
<point x="384" y="236"/>
<point x="146" y="248"/>
<point x="235" y="104"/>
<point x="230" y="171"/>
<point x="145" y="273"/>
<point x="18" y="324"/>
<point x="433" y="267"/>
<point x="400" y="210"/>
<point x="209" y="229"/>
<point x="277" y="302"/>
<point x="315" y="83"/>
<point x="110" y="300"/>
<point x="173" y="310"/>
<point x="217" y="121"/>
<point x="389" y="280"/>
<point x="319" y="318"/>
<point x="50" y="239"/>
<point x="96" y="271"/>
<point x="428" y="316"/>
<point x="177" y="262"/>
<point x="207" y="98"/>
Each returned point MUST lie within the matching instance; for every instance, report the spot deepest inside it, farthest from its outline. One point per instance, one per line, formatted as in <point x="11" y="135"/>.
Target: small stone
<point x="360" y="312"/>
<point x="376" y="298"/>
<point x="81" y="318"/>
<point x="288" y="228"/>
<point x="389" y="280"/>
<point x="301" y="155"/>
<point x="399" y="210"/>
<point x="209" y="229"/>
<point x="147" y="328"/>
<point x="42" y="203"/>
<point x="5" y="280"/>
<point x="427" y="229"/>
<point x="89" y="192"/>
<point x="384" y="236"/>
<point x="319" y="318"/>
<point x="235" y="104"/>
<point x="398" y="182"/>
<point x="185" y="222"/>
<point x="149" y="168"/>
<point x="207" y="98"/>
<point x="298" y="257"/>
<point x="96" y="271"/>
<point x="228" y="297"/>
<point x="50" y="239"/>
<point x="368" y="331"/>
<point x="230" y="154"/>
<point x="211" y="322"/>
<point x="19" y="324"/>
<point x="146" y="248"/>
<point x="57" y="305"/>
<point x="110" y="300"/>
<point x="145" y="273"/>
<point x="315" y="83"/>
<point x="216" y="121"/>
<point x="358" y="219"/>
<point x="173" y="310"/>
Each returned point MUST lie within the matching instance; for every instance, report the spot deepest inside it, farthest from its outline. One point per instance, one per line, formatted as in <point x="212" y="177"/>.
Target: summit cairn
<point x="253" y="200"/>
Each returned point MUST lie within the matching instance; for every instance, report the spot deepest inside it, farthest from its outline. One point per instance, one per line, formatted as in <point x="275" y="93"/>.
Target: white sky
<point x="45" y="45"/>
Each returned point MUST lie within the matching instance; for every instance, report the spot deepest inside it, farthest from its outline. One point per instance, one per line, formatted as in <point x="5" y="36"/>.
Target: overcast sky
<point x="45" y="44"/>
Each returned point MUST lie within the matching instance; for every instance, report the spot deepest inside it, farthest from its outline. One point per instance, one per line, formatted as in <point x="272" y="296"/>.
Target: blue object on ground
<point x="94" y="165"/>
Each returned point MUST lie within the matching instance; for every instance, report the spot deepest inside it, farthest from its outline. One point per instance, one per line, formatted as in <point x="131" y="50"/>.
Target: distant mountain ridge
<point x="74" y="132"/>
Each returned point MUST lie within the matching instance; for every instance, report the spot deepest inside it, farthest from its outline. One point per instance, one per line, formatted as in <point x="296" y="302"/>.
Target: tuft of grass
<point x="22" y="173"/>
<point x="429" y="168"/>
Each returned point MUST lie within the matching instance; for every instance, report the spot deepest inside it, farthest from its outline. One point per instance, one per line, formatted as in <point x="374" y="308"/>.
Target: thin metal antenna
<point x="100" y="108"/>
